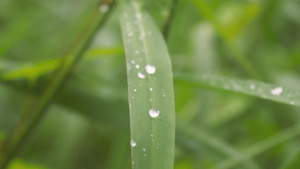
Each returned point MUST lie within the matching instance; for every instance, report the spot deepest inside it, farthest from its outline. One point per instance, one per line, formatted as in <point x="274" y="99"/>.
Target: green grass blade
<point x="150" y="90"/>
<point x="263" y="146"/>
<point x="190" y="133"/>
<point x="207" y="12"/>
<point x="34" y="71"/>
<point x="249" y="87"/>
<point x="36" y="108"/>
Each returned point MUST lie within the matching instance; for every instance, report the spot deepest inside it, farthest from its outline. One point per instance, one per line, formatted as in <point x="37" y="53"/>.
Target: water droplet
<point x="141" y="75"/>
<point x="292" y="102"/>
<point x="137" y="52"/>
<point x="104" y="8"/>
<point x="151" y="135"/>
<point x="130" y="34"/>
<point x="276" y="91"/>
<point x="153" y="112"/>
<point x="138" y="15"/>
<point x="150" y="89"/>
<point x="145" y="154"/>
<point x="134" y="90"/>
<point x="144" y="149"/>
<point x="132" y="61"/>
<point x="137" y="66"/>
<point x="164" y="95"/>
<point x="150" y="100"/>
<point x="132" y="143"/>
<point x="150" y="69"/>
<point x="252" y="86"/>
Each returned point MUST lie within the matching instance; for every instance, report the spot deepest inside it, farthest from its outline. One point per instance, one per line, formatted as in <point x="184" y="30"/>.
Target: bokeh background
<point x="87" y="125"/>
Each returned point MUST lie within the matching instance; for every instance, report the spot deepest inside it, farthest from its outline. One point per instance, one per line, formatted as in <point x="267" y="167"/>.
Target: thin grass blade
<point x="249" y="87"/>
<point x="150" y="91"/>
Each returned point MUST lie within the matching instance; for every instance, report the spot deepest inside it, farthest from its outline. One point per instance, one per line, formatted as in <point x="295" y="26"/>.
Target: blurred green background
<point x="87" y="126"/>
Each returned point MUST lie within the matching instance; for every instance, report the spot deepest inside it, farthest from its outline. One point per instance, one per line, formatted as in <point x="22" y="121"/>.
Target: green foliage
<point x="236" y="84"/>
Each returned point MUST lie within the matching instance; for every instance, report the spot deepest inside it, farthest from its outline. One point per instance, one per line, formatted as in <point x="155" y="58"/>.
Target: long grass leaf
<point x="35" y="109"/>
<point x="249" y="87"/>
<point x="150" y="90"/>
<point x="34" y="71"/>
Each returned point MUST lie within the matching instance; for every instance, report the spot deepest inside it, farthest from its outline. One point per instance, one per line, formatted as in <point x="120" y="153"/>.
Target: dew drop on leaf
<point x="141" y="75"/>
<point x="252" y="86"/>
<point x="276" y="91"/>
<point x="153" y="112"/>
<point x="132" y="143"/>
<point x="104" y="8"/>
<point x="150" y="69"/>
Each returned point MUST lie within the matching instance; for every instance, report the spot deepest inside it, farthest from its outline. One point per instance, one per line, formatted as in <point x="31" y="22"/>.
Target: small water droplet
<point x="276" y="91"/>
<point x="292" y="102"/>
<point x="130" y="34"/>
<point x="132" y="61"/>
<point x="150" y="69"/>
<point x="150" y="89"/>
<point x="138" y="15"/>
<point x="137" y="66"/>
<point x="150" y="100"/>
<point x="153" y="112"/>
<point x="134" y="90"/>
<point x="137" y="52"/>
<point x="164" y="95"/>
<point x="145" y="154"/>
<point x="144" y="149"/>
<point x="132" y="143"/>
<point x="252" y="86"/>
<point x="141" y="75"/>
<point x="151" y="135"/>
<point x="104" y="8"/>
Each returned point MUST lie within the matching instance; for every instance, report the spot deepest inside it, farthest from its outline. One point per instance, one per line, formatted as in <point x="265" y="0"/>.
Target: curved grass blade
<point x="32" y="72"/>
<point x="249" y="87"/>
<point x="36" y="108"/>
<point x="150" y="91"/>
<point x="190" y="133"/>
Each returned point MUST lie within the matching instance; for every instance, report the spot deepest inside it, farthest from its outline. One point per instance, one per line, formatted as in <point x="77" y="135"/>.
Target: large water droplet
<point x="150" y="69"/>
<point x="153" y="112"/>
<point x="276" y="91"/>
<point x="132" y="143"/>
<point x="141" y="75"/>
